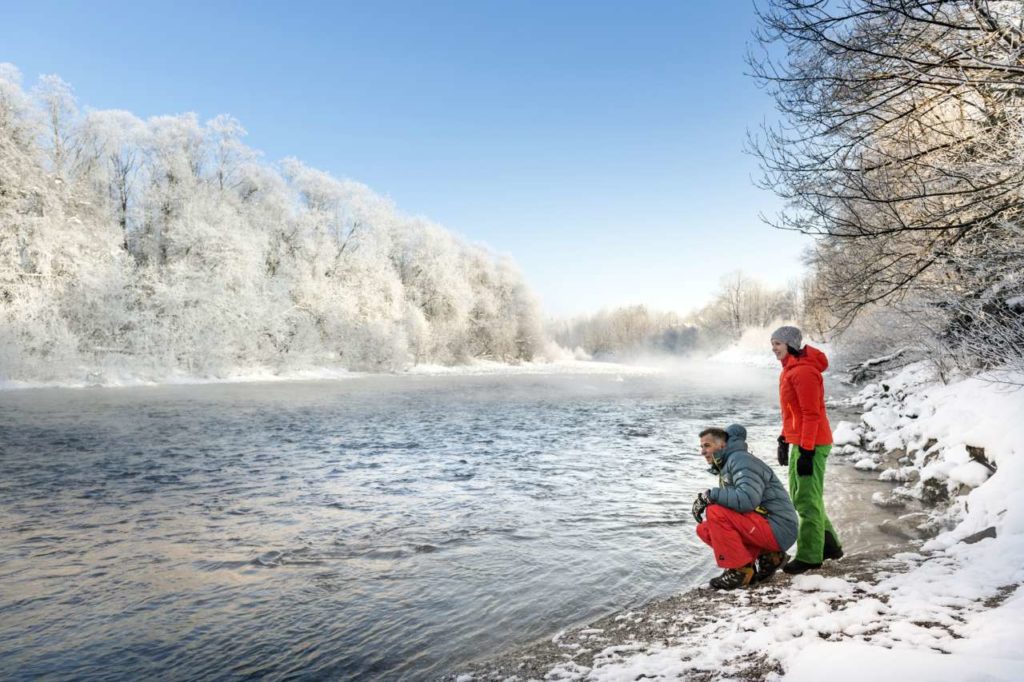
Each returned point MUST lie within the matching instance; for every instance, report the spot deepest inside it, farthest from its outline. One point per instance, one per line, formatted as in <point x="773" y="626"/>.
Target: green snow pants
<point x="808" y="493"/>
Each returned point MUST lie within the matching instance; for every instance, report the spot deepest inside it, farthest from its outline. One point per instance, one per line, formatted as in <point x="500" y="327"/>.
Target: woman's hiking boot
<point x="734" y="577"/>
<point x="796" y="566"/>
<point x="767" y="564"/>
<point x="833" y="550"/>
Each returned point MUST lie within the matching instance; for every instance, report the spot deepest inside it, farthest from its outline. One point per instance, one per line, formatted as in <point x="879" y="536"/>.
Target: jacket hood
<point x="736" y="431"/>
<point x="811" y="356"/>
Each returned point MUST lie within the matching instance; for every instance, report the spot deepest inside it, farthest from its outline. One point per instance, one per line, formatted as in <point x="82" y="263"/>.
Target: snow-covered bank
<point x="947" y="609"/>
<point x="130" y="380"/>
<point x="732" y="364"/>
<point x="260" y="375"/>
<point x="959" y="446"/>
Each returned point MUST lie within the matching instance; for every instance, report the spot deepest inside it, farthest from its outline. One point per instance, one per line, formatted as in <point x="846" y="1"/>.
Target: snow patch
<point x="818" y="583"/>
<point x="857" y="661"/>
<point x="845" y="433"/>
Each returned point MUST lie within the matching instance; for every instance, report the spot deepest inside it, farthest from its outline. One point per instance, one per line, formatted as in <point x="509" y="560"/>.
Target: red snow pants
<point x="737" y="539"/>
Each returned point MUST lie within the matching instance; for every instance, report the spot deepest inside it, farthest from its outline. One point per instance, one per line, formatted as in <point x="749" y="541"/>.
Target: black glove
<point x="805" y="464"/>
<point x="783" y="451"/>
<point x="699" y="505"/>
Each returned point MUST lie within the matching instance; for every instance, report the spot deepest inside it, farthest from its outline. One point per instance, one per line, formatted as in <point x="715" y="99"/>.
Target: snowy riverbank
<point x="259" y="374"/>
<point x="747" y="354"/>
<point x="947" y="608"/>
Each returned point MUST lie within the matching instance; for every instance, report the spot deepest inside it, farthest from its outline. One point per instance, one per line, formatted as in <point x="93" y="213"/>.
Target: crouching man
<point x="751" y="521"/>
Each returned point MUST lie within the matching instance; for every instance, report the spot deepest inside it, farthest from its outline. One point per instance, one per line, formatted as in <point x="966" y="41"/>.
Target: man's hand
<point x="805" y="464"/>
<point x="783" y="452"/>
<point x="699" y="505"/>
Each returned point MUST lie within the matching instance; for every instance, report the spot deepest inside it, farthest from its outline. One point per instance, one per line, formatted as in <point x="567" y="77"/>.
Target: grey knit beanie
<point x="790" y="336"/>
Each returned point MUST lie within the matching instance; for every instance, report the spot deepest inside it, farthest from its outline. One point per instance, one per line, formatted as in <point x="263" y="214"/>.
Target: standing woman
<point x="804" y="445"/>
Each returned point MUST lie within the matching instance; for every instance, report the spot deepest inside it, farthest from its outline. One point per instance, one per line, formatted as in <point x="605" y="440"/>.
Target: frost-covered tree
<point x="901" y="147"/>
<point x="56" y="257"/>
<point x="742" y="302"/>
<point x="111" y="160"/>
<point x="60" y="110"/>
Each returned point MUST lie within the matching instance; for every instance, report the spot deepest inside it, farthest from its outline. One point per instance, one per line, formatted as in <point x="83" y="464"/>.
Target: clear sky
<point x="598" y="143"/>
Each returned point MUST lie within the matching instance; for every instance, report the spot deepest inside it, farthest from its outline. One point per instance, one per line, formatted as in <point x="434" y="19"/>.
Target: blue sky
<point x="597" y="143"/>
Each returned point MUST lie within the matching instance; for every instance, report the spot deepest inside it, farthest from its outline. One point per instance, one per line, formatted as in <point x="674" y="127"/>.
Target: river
<point x="378" y="527"/>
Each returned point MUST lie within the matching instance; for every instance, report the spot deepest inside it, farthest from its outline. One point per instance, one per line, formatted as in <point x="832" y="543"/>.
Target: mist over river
<point x="379" y="527"/>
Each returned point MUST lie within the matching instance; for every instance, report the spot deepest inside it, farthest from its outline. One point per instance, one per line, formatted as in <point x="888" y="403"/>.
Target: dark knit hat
<point x="790" y="336"/>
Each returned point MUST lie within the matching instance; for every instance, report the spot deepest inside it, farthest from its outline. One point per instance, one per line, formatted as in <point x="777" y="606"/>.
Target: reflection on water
<point x="379" y="527"/>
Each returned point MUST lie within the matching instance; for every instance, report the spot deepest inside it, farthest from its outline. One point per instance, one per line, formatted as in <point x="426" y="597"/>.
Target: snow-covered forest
<point x="163" y="246"/>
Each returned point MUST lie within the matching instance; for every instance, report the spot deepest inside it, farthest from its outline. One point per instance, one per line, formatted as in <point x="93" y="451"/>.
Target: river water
<point x="382" y="527"/>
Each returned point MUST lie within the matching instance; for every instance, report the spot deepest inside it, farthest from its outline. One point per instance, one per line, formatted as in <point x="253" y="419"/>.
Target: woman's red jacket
<point x="802" y="398"/>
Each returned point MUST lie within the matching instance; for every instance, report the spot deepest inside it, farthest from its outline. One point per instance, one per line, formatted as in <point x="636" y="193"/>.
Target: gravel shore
<point x="681" y="620"/>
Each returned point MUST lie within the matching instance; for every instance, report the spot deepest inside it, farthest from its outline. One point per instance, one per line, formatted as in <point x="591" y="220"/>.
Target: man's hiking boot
<point x="734" y="577"/>
<point x="767" y="564"/>
<point x="796" y="566"/>
<point x="833" y="550"/>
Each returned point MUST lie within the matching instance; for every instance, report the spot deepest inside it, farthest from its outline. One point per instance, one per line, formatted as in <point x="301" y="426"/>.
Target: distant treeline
<point x="740" y="303"/>
<point x="167" y="245"/>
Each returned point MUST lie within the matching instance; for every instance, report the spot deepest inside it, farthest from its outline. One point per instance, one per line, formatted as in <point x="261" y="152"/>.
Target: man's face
<point x="709" y="445"/>
<point x="780" y="349"/>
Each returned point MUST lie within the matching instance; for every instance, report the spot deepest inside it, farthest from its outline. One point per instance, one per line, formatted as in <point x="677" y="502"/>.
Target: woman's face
<point x="780" y="350"/>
